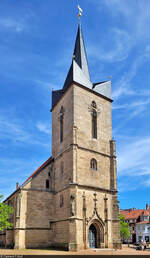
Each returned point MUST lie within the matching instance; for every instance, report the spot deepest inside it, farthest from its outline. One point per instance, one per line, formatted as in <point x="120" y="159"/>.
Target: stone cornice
<point x="83" y="148"/>
<point x="94" y="188"/>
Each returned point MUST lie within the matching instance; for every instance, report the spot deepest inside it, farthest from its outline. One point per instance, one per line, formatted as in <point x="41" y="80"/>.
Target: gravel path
<point x="124" y="251"/>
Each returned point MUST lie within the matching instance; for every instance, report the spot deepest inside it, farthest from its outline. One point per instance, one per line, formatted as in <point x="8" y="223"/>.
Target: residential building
<point x="143" y="231"/>
<point x="136" y="217"/>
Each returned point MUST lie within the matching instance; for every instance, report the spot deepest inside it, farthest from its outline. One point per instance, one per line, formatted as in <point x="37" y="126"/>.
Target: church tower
<point x="70" y="201"/>
<point x="85" y="189"/>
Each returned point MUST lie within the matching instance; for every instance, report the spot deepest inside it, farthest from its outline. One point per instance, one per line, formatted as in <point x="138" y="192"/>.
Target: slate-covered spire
<point x="80" y="53"/>
<point x="79" y="71"/>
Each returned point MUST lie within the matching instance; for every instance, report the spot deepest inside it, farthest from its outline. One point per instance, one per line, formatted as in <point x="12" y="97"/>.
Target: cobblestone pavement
<point x="124" y="251"/>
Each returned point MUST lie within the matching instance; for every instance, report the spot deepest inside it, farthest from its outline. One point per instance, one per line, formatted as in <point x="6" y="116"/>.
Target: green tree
<point x="5" y="211"/>
<point x="124" y="228"/>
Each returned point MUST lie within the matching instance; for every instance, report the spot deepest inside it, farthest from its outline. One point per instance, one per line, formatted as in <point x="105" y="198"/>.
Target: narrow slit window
<point x="61" y="201"/>
<point x="61" y="124"/>
<point x="94" y="120"/>
<point x="47" y="184"/>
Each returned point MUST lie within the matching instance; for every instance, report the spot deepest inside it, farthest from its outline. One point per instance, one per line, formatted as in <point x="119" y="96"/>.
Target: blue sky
<point x="36" y="44"/>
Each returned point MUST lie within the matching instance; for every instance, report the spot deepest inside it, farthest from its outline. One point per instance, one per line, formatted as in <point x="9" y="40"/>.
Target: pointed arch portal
<point x="96" y="235"/>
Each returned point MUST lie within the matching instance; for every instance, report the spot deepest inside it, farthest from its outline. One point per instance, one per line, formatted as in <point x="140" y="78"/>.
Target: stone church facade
<point x="70" y="201"/>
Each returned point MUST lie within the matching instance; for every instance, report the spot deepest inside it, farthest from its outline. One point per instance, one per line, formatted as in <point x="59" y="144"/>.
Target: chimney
<point x="147" y="206"/>
<point x="17" y="186"/>
<point x="134" y="208"/>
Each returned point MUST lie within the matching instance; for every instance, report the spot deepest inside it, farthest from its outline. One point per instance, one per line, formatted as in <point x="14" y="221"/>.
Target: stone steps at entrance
<point x="102" y="249"/>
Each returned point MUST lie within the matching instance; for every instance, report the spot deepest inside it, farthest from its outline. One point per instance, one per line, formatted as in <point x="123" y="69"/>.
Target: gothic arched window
<point x="61" y="123"/>
<point x="93" y="164"/>
<point x="94" y="120"/>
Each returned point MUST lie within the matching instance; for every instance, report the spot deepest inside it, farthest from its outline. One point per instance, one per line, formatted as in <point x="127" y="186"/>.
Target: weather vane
<point x="80" y="11"/>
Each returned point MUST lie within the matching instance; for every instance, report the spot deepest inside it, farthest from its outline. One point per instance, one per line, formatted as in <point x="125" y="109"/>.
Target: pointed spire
<point x="79" y="71"/>
<point x="80" y="53"/>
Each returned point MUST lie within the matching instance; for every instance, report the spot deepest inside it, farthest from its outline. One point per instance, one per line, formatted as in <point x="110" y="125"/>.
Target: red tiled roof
<point x="131" y="214"/>
<point x="146" y="213"/>
<point x="38" y="169"/>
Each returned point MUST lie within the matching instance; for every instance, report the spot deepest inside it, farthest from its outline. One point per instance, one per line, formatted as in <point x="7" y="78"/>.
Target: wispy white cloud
<point x="132" y="112"/>
<point x="44" y="128"/>
<point x="133" y="33"/>
<point x="12" y="25"/>
<point x="117" y="51"/>
<point x="121" y="88"/>
<point x="132" y="105"/>
<point x="133" y="164"/>
<point x="133" y="157"/>
<point x="123" y="85"/>
<point x="125" y="7"/>
<point x="128" y="91"/>
<point x="133" y="109"/>
<point x="147" y="183"/>
<point x="46" y="85"/>
<point x="11" y="129"/>
<point x="128" y="10"/>
<point x="14" y="130"/>
<point x="18" y="169"/>
<point x="126" y="186"/>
